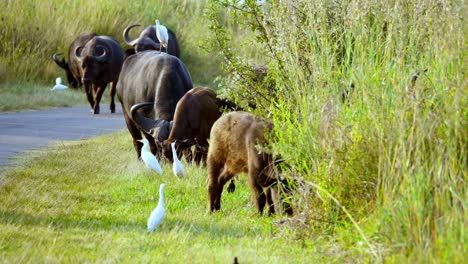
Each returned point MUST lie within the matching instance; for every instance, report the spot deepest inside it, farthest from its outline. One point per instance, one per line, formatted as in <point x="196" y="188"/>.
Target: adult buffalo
<point x="101" y="61"/>
<point x="72" y="68"/>
<point x="152" y="79"/>
<point x="148" y="40"/>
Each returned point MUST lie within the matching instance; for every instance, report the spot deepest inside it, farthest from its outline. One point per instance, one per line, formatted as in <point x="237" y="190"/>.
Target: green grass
<point x="394" y="157"/>
<point x="88" y="201"/>
<point x="18" y="95"/>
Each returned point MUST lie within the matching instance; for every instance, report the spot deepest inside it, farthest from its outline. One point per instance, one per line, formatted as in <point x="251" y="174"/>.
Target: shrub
<point x="394" y="156"/>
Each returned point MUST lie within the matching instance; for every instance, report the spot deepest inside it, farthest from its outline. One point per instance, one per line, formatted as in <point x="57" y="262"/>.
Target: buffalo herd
<point x="159" y="103"/>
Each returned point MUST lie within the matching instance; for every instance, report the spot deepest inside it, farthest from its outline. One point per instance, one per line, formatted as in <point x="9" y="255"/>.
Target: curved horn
<point x="77" y="52"/>
<point x="105" y="51"/>
<point x="127" y="38"/>
<point x="60" y="63"/>
<point x="150" y="126"/>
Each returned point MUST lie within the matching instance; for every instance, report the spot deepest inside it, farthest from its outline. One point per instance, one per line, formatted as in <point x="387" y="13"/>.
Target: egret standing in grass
<point x="157" y="215"/>
<point x="148" y="158"/>
<point x="177" y="167"/>
<point x="58" y="85"/>
<point x="161" y="34"/>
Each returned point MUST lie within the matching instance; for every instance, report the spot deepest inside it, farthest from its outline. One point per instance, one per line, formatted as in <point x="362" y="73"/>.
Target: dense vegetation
<point x="383" y="175"/>
<point x="392" y="157"/>
<point x="31" y="31"/>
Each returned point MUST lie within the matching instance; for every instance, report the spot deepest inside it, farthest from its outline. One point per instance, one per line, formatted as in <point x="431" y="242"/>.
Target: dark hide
<point x="150" y="85"/>
<point x="194" y="116"/>
<point x="149" y="41"/>
<point x="101" y="60"/>
<point x="72" y="68"/>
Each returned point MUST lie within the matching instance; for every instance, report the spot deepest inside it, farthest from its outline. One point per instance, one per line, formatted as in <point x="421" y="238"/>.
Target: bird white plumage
<point x="161" y="34"/>
<point x="58" y="85"/>
<point x="148" y="158"/>
<point x="177" y="167"/>
<point x="157" y="215"/>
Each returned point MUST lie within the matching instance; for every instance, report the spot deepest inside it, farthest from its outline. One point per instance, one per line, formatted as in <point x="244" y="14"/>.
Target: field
<point x="382" y="165"/>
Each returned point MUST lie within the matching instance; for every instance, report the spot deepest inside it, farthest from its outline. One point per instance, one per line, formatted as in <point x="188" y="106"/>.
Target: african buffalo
<point x="100" y="60"/>
<point x="194" y="116"/>
<point x="235" y="139"/>
<point x="155" y="79"/>
<point x="72" y="68"/>
<point x="148" y="40"/>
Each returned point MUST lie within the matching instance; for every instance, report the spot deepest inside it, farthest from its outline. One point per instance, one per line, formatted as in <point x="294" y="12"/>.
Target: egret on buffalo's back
<point x="58" y="85"/>
<point x="157" y="215"/>
<point x="148" y="158"/>
<point x="161" y="34"/>
<point x="177" y="167"/>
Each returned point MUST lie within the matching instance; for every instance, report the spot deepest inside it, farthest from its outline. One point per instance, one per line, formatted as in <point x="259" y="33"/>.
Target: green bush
<point x="391" y="158"/>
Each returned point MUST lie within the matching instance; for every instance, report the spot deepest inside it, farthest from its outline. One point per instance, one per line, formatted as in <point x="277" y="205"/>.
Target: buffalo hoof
<point x="231" y="187"/>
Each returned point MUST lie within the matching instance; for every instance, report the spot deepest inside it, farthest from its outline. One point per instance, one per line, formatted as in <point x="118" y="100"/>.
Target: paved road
<point x="20" y="131"/>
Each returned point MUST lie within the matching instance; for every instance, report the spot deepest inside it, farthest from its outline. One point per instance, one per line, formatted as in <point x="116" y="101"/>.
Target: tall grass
<point x="32" y="31"/>
<point x="394" y="156"/>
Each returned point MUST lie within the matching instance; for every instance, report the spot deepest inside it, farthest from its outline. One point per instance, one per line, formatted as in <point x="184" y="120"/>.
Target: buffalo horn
<point x="127" y="38"/>
<point x="102" y="57"/>
<point x="78" y="52"/>
<point x="147" y="124"/>
<point x="57" y="60"/>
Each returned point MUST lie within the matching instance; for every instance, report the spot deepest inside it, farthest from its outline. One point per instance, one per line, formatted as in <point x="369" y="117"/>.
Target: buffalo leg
<point x="112" y="95"/>
<point x="201" y="152"/>
<point x="99" y="91"/>
<point x="259" y="196"/>
<point x="222" y="179"/>
<point x="269" y="200"/>
<point x="187" y="152"/>
<point x="88" y="89"/>
<point x="198" y="154"/>
<point x="214" y="188"/>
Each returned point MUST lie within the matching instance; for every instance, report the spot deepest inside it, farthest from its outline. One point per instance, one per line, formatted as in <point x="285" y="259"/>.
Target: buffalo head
<point x="72" y="67"/>
<point x="158" y="129"/>
<point x="146" y="41"/>
<point x="90" y="57"/>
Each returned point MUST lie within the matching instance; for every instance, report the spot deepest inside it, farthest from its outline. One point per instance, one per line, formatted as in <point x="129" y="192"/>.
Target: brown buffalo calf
<point x="234" y="142"/>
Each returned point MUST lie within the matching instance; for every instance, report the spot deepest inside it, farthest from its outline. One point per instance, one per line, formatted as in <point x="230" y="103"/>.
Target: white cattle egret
<point x="148" y="158"/>
<point x="161" y="34"/>
<point x="177" y="167"/>
<point x="157" y="215"/>
<point x="58" y="85"/>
